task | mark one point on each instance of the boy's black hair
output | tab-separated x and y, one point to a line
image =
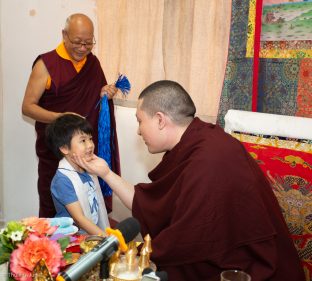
61	131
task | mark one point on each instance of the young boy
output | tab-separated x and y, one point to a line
75	192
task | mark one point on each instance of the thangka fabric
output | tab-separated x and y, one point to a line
287	163
283	67
237	85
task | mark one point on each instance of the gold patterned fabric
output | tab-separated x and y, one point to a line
287	164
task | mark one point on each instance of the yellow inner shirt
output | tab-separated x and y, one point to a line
61	51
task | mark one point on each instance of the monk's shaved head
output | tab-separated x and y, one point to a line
78	36
80	22
170	98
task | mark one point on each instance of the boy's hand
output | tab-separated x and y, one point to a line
96	165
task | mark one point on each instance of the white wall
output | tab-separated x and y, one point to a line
29	28
135	160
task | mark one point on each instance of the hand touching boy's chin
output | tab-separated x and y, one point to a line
88	156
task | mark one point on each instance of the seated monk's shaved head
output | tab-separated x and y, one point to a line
170	98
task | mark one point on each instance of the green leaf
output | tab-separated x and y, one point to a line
4	257
5	254
68	256
6	242
64	242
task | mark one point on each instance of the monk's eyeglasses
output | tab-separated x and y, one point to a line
80	44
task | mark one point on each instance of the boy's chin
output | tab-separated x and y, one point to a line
88	157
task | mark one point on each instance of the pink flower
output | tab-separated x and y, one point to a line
25	257
39	226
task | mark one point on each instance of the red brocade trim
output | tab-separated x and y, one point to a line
304	97
255	78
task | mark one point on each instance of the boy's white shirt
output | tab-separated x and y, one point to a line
66	168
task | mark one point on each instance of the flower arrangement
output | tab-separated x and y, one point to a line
24	243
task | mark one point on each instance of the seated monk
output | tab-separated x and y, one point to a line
208	206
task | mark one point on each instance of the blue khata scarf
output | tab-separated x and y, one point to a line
104	129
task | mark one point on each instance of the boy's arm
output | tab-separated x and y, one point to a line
82	221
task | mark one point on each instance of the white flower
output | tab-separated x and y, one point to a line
2	230
16	235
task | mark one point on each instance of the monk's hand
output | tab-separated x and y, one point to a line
109	90
95	165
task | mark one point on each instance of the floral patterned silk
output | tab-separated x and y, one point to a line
288	166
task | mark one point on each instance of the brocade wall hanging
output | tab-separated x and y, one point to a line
269	67
288	164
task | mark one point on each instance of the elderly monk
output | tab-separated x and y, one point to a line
208	207
68	79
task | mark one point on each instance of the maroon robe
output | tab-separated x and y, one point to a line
70	92
209	208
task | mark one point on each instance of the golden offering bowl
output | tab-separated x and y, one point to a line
122	267
89	243
121	271
86	246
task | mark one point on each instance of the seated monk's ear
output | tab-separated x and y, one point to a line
162	119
